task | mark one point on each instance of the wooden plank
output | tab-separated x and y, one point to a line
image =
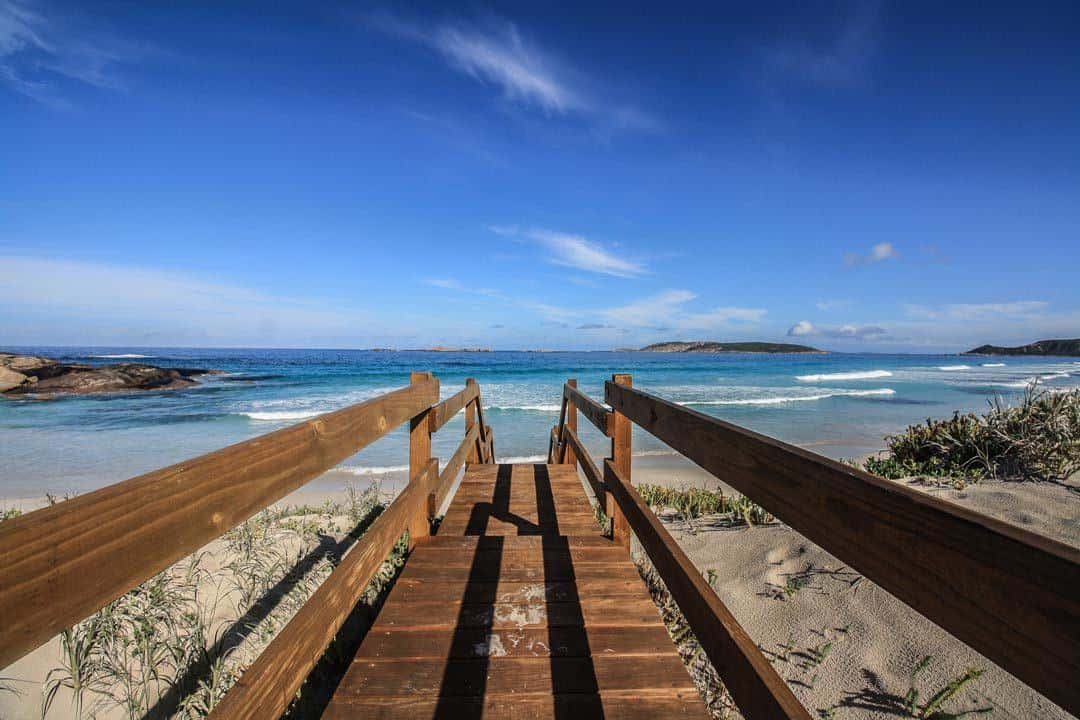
597	414
1007	592
447	409
526	642
592	473
537	613
61	563
631	705
490	567
472	543
569	454
470	423
413	590
520	676
538	555
757	689
268	686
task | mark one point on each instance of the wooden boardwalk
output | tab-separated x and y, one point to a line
519	608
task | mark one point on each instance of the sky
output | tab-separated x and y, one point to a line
857	176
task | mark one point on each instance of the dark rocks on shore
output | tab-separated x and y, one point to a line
23	374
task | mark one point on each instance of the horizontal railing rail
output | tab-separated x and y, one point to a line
756	687
60	564
1009	593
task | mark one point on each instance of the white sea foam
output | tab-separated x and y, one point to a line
121	356
858	375
372	469
993	364
1054	376
524	459
537	408
954	367
282	415
782	399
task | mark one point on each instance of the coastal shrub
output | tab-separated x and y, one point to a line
692	503
1037	438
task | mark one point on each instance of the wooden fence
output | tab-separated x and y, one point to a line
60	564
1010	594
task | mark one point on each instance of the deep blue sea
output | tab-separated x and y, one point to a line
840	405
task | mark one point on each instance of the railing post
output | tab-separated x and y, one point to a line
419	439
620	458
470	420
568	455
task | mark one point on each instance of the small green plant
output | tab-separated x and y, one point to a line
693	503
818	653
9	513
794	584
710	577
786	649
932	708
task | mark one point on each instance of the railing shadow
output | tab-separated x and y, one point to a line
240	629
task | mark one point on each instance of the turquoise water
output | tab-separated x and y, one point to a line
840	405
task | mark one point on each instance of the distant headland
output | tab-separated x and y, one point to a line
23	374
678	346
1070	348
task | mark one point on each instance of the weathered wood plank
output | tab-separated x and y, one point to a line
61	563
757	689
526	642
489	567
268	686
520	676
630	705
409	590
1007	592
454	465
597	414
537	612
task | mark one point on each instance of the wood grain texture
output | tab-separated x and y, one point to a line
621	456
759	692
454	465
551	624
447	409
1009	593
597	414
268	686
61	563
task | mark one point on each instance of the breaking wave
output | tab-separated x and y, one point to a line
858	375
955	367
782	399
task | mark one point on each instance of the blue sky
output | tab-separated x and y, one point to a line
853	175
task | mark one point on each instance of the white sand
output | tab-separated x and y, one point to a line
876	639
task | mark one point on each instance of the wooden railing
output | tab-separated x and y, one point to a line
1010	594
60	564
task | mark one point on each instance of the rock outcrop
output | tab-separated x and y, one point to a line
1063	348
22	374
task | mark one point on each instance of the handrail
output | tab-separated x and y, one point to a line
758	691
447	409
597	414
270	683
1009	593
61	563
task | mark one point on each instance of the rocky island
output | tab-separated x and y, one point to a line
32	374
677	346
1065	348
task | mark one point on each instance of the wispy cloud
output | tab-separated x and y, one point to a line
878	253
577	252
978	311
496	53
38	53
98	301
830	305
841	61
668	310
805	328
595	326
457	286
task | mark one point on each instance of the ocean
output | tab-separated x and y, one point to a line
839	405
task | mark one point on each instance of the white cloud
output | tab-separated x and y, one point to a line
828	305
577	252
977	311
667	309
496	53
36	52
878	253
75	299
805	328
